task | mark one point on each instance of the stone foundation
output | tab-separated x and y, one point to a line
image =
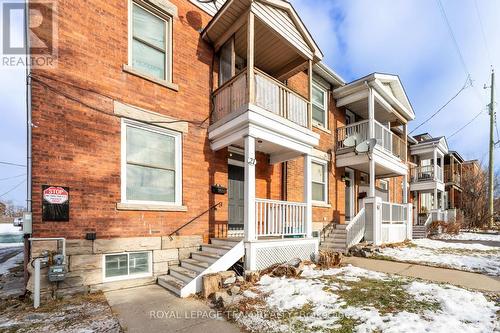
84	262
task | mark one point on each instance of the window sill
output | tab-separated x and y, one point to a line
321	204
167	84
151	207
321	128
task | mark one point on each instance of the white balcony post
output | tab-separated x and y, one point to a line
308	194
371	114
249	189
442	168
434	162
371	134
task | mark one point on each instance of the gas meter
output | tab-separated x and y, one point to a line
57	271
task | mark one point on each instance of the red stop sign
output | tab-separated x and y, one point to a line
55	195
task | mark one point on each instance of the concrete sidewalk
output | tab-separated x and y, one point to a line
153	309
435	274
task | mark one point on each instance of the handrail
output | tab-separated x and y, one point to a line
228	82
219	204
355	230
279	218
428	221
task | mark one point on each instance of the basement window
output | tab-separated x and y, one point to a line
151	165
129	265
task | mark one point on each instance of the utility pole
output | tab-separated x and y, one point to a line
491	173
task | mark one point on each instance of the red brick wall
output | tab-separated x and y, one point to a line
78	147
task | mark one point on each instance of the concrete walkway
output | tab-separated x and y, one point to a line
153	309
435	274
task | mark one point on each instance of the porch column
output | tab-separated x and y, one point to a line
250	57
371	134
442	167
405	188
435	203
249	189
443	205
434	163
308	193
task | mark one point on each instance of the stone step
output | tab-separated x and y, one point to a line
225	241
182	273
194	265
205	256
171	283
215	248
340	226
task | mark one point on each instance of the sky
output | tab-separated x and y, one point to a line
409	38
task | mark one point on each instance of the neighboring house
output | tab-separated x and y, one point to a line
145	123
453	180
427	177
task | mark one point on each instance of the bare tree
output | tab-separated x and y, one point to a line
475	197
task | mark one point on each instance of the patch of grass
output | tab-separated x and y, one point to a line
387	296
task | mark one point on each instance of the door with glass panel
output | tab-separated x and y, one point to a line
236	175
349	194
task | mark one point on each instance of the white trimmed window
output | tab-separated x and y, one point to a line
150	40
320	106
151	164
128	265
384	185
319	170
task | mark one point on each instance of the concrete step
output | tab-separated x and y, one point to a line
335	242
205	256
182	273
337	235
171	283
225	241
331	248
194	265
341	226
217	249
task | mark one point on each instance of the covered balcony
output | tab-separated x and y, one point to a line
376	108
264	78
262	103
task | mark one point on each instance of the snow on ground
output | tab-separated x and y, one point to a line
9	228
11	263
470	236
468	257
436	244
358	300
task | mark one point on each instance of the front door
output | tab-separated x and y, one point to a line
349	194
236	176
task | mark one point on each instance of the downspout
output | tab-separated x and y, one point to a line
27	245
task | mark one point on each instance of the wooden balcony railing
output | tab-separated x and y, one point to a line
270	94
452	177
386	139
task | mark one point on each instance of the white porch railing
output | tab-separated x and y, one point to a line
393	213
279	218
355	230
439	173
386	139
439	215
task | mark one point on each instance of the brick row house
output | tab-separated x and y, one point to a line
186	137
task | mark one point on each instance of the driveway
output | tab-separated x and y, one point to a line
153	309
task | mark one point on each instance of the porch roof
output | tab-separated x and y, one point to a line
276	15
389	90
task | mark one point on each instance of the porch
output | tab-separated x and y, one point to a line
262	104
